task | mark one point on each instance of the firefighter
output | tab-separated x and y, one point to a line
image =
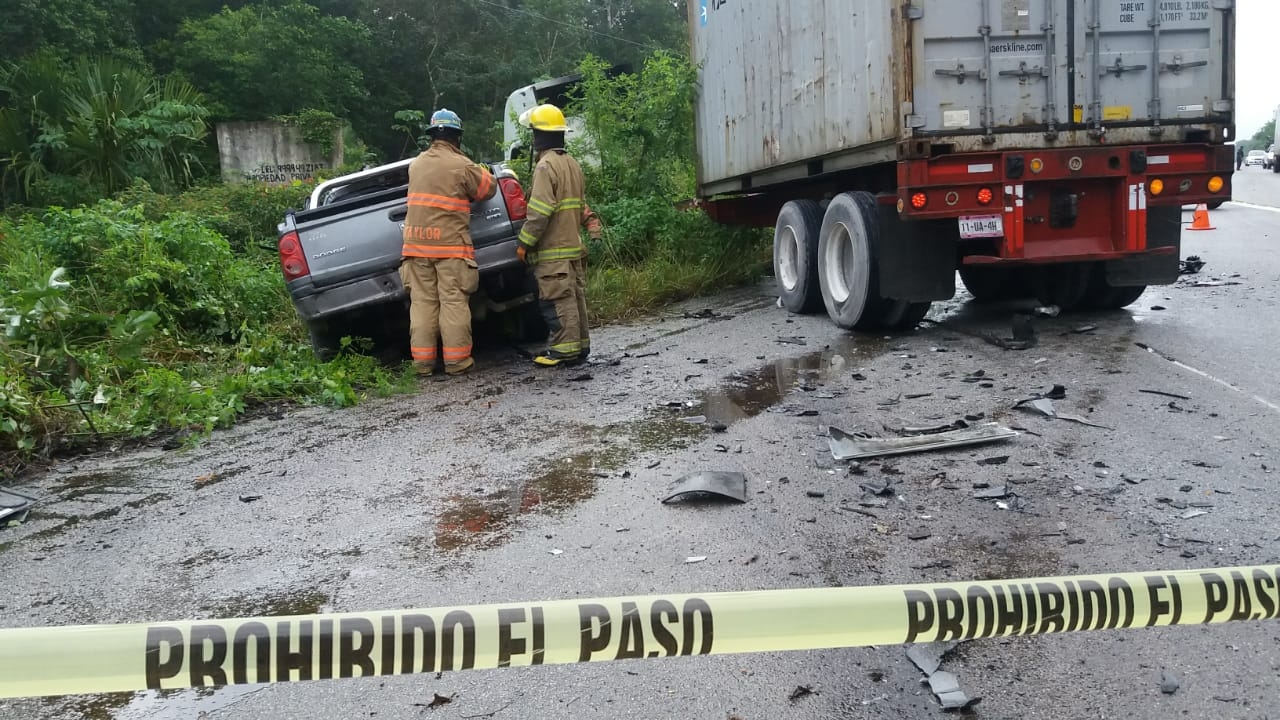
439	262
550	241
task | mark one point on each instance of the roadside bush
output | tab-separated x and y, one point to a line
246	214
118	326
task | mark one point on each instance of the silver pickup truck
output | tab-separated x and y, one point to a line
340	257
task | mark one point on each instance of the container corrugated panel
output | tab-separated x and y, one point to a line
786	82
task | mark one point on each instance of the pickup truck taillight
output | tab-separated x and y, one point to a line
514	197
292	261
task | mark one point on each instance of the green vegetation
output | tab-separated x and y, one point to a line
1262	139
140	295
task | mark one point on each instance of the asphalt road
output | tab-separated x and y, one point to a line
460	493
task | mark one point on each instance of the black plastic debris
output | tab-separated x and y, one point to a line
14	505
709	485
250	498
1192	265
1044	406
997	460
801	691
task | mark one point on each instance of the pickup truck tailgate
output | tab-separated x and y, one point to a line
361	237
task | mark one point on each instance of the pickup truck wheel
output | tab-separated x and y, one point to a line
847	274
1064	285
325	342
795	256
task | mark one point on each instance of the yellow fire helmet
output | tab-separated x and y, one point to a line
547	118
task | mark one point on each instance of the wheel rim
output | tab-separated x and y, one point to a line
788	258
839	262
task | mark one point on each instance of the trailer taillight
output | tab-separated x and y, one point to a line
292	260
919	200
1215	184
1156	186
985	196
517	209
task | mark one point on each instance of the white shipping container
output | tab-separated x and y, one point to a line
791	89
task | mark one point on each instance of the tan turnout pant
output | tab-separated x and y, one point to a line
439	307
562	293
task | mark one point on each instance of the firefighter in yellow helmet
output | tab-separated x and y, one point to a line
550	241
439	262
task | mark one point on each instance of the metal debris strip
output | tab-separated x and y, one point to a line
727	485
851	447
14	505
1044	406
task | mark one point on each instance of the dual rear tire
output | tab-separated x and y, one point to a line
828	259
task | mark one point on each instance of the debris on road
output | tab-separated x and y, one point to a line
700	485
1169	683
801	691
1166	394
1049	311
1082	329
792	341
1193	514
1044	406
997	460
851	447
1192	265
694	559
14	505
992	493
581	378
928	429
815	493
694	419
874	489
249	498
944	685
437	700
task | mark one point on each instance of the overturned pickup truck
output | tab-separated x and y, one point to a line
341	257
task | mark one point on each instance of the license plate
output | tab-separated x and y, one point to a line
981	226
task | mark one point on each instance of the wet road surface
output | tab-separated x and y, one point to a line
459	494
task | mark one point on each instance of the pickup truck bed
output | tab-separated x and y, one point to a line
349	242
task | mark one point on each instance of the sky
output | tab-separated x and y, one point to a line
1257	79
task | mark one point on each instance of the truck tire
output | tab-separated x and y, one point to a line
847	272
1065	286
795	256
325	340
988	284
1103	296
1215	204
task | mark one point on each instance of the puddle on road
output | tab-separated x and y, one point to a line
484	521
153	704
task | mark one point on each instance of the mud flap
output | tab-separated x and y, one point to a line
1164	229
917	260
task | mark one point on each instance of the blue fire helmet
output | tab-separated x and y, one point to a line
445	118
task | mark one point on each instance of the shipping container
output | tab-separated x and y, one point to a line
1044	132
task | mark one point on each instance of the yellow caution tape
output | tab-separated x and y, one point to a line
108	658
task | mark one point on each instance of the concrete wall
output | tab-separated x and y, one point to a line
270	151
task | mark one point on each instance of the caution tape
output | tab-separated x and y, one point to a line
109	658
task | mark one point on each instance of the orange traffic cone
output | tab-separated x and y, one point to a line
1200	221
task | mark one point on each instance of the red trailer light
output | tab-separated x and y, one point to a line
919	200
985	196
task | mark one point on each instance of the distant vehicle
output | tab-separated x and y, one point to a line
1255	157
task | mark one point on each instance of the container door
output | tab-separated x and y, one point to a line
990	65
1152	62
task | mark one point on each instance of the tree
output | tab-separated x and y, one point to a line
94	127
261	60
67	27
1265	136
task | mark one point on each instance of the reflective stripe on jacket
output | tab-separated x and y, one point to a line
555	209
442	185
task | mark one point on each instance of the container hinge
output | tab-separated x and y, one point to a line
1120	69
960	73
1224	4
915	121
913	12
1025	73
1178	66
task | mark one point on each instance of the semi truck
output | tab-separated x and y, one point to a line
1037	147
